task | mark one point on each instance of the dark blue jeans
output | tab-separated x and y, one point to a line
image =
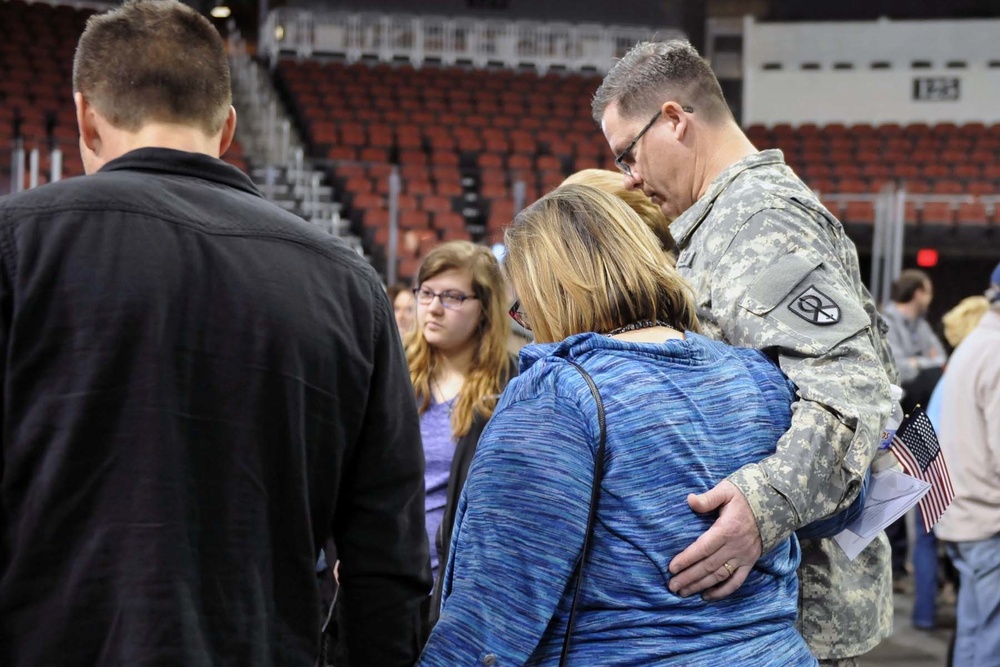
977	636
925	570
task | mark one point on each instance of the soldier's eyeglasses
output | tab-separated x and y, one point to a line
624	160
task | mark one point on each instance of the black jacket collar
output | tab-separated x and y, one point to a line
196	165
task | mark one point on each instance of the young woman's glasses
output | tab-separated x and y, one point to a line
519	315
450	299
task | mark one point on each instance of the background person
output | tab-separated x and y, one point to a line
918	352
199	388
958	323
920	358
773	270
404	307
970	441
459	365
963	318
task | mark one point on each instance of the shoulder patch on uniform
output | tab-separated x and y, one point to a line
815	307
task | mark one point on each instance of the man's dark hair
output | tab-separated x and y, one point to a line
154	61
906	285
656	72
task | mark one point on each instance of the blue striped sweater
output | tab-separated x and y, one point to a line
681	416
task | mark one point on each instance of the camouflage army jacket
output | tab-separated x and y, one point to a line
772	269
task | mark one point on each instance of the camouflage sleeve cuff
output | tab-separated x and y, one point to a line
775	516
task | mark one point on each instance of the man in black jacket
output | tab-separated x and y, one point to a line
198	389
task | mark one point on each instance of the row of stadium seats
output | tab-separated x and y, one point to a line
944	158
462	138
965	214
958	224
37	42
36	61
441	110
388	83
885	131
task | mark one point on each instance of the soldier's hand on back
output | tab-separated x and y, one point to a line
718	562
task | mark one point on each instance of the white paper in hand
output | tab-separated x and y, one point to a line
890	495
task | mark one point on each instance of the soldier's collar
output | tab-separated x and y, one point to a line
687	222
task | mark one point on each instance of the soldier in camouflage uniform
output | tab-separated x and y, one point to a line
771	269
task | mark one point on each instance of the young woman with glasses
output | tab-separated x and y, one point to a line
459	365
681	412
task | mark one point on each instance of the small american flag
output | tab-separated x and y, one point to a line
916	446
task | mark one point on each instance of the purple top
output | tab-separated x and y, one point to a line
439	449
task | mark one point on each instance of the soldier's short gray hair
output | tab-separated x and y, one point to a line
652	73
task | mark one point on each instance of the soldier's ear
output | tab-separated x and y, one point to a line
676	119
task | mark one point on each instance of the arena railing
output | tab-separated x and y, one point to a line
27	170
363	36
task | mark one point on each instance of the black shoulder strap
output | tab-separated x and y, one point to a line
594	495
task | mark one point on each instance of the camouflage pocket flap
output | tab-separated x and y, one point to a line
775	284
800	305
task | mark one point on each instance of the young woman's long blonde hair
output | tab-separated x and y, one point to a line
490	367
582	260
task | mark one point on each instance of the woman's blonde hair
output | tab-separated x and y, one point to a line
582	260
963	318
490	361
611	182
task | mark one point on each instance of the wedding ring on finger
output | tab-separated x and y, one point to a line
729	568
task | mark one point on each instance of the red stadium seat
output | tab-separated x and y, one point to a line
982	188
489	160
968	170
412	156
436	204
549	162
414	219
444	158
342	153
449	189
448	220
971	130
859	212
374	155
937	223
522	162
852	186
948	187
937	213
915	186
359	185
497	190
973	214
419	187
454	234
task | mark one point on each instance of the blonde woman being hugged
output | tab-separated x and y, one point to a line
459	364
680	412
